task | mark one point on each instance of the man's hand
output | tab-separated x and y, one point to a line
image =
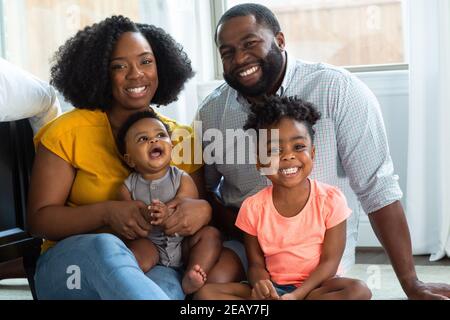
264	290
418	290
189	216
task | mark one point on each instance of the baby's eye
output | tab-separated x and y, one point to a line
143	139
161	135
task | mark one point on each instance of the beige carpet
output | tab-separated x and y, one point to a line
380	278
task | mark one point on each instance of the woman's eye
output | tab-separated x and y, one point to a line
147	61
117	67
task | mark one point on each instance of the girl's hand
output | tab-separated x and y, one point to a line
126	219
158	212
264	290
288	296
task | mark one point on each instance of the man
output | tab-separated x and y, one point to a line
352	149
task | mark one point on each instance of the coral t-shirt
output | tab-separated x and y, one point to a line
292	245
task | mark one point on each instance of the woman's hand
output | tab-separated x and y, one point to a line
189	216
264	290
126	219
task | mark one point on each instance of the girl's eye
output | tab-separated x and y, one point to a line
299	147
274	151
147	61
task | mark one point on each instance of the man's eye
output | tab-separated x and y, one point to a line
249	44
226	54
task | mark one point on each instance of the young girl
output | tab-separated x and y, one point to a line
145	144
295	230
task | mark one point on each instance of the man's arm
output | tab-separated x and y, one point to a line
391	229
364	152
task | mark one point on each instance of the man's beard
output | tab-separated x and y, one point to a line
270	66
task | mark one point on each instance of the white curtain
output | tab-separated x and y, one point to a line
428	180
189	22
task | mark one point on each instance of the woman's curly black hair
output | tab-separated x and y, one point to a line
131	120
272	109
81	66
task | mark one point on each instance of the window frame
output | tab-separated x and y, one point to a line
219	7
2	32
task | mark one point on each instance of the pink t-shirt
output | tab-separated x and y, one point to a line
292	246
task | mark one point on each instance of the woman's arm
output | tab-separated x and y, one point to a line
50	218
258	276
332	251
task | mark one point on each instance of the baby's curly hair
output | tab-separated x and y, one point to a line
81	66
131	120
273	108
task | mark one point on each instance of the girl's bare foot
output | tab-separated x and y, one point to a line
193	279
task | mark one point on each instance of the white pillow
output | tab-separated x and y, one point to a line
23	95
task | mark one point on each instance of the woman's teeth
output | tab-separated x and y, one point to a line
136	90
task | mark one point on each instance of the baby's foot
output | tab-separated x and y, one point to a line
193	279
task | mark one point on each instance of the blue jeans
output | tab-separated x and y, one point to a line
100	266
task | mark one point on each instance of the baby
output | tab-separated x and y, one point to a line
144	141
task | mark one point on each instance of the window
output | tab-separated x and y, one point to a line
34	29
341	32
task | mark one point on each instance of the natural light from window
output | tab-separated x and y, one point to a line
341	32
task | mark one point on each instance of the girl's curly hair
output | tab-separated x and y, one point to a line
81	66
272	109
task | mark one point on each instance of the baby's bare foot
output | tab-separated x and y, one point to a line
193	279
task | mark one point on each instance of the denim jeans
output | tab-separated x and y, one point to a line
100	266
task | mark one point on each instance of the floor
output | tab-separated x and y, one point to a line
372	266
378	256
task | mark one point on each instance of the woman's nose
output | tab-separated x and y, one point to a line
134	72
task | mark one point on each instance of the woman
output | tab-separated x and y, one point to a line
107	71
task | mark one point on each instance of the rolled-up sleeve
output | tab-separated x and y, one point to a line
363	147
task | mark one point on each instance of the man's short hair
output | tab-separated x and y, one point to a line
262	14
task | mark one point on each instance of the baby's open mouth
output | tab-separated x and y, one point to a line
156	152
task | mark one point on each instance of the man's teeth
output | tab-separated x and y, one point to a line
136	90
289	171
248	72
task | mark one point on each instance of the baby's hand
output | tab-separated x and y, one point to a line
159	212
